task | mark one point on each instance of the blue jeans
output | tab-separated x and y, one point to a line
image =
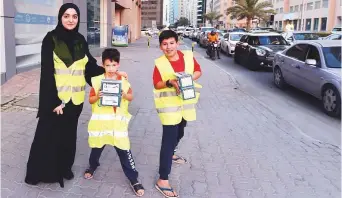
172	134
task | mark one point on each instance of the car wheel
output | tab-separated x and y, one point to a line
331	101
279	78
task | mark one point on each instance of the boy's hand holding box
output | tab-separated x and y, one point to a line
186	85
111	90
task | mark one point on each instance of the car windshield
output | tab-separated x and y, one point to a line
337	29
306	36
332	56
207	29
235	37
270	40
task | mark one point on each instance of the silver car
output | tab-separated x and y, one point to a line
313	67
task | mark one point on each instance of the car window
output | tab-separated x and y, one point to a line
253	40
235	37
313	53
226	36
243	38
306	36
335	37
332	56
298	52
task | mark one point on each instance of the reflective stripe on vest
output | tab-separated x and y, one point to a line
117	134
69	72
68	88
170	107
175	109
109	117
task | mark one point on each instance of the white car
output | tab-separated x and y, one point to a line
229	42
295	36
336	30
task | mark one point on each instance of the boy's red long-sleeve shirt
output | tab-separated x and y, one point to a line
178	66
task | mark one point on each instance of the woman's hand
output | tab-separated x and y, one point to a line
59	109
174	83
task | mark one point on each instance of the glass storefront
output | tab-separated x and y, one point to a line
93	23
33	19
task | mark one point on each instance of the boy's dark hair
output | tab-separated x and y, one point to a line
112	54
166	34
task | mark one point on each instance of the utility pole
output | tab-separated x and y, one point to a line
301	17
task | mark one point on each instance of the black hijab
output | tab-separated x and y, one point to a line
68	36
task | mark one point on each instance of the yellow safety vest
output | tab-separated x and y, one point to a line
106	126
170	107
70	81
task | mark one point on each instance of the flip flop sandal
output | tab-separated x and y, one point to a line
160	189
89	171
136	187
179	160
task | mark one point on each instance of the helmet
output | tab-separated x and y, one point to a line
213	32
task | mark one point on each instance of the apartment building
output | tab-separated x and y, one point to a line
220	7
151	13
201	10
307	15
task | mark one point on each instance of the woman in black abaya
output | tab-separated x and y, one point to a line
53	149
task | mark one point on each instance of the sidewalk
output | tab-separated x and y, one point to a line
237	147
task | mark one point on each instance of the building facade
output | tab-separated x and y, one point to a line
24	24
152	13
307	15
201	10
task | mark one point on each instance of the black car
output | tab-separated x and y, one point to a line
256	50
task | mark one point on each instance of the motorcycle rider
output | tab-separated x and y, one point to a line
212	38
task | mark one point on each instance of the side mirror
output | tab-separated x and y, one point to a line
245	44
312	62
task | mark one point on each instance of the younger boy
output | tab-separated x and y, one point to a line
109	125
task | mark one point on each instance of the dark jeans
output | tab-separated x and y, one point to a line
126	159
172	134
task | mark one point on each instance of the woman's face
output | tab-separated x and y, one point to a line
70	19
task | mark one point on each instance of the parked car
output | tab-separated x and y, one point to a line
293	37
313	67
336	30
187	32
203	40
229	42
332	37
237	30
257	50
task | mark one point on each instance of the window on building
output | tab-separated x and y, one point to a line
281	10
277	11
308	24
316	20
309	6
295	24
301	8
324	24
299	25
317	4
296	9
325	4
291	9
280	25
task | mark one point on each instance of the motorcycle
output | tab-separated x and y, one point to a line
212	50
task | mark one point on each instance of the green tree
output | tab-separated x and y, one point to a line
212	16
182	22
249	10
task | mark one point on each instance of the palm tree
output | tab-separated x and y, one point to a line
250	9
211	16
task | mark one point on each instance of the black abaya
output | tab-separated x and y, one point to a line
53	149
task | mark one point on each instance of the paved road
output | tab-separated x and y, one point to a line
238	147
300	109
